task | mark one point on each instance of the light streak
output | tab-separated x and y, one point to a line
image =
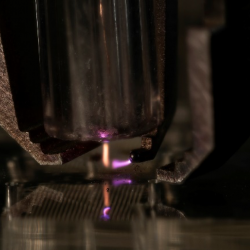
118	182
105	154
120	164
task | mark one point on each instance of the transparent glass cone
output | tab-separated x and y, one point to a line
103	67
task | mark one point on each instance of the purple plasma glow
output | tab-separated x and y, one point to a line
120	164
118	182
105	212
103	134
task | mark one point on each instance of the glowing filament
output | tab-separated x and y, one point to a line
105	154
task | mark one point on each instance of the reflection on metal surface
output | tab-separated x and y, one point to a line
118	182
105	214
78	202
85	216
159	234
41	235
106	199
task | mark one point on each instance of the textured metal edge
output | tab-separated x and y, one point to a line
8	119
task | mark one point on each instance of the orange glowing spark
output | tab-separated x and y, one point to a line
105	154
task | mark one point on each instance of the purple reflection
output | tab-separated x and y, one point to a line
120	164
105	212
118	182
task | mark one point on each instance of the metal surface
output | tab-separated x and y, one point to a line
64	211
143	216
8	119
50	151
195	235
201	106
77	202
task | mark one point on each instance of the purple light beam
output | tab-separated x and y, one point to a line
118	182
120	164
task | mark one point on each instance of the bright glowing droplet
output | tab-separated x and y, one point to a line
120	164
